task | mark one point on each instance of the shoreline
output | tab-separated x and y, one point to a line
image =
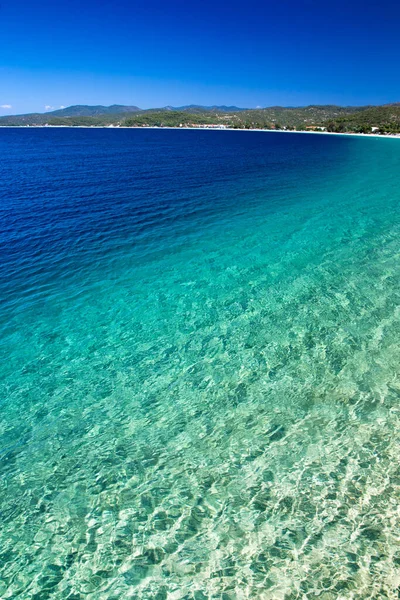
363	135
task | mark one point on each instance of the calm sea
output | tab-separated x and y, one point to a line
200	365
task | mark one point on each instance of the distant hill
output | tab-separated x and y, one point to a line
384	118
81	110
195	108
106	114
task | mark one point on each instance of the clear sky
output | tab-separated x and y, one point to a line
156	53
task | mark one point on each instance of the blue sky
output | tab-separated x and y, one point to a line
153	53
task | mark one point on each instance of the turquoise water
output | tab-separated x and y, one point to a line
200	365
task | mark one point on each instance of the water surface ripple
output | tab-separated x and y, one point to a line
199	375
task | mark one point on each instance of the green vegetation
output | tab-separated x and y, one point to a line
82	110
384	119
71	121
79	121
266	118
169	118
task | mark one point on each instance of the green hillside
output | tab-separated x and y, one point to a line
93	111
386	118
330	117
266	118
52	118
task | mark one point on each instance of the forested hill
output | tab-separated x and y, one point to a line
386	118
93	111
364	119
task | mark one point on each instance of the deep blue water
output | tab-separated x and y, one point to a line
199	337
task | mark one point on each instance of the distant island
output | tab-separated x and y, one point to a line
382	120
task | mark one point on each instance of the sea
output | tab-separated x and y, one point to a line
199	365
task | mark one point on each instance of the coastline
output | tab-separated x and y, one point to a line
363	135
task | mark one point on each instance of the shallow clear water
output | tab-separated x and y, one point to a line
200	350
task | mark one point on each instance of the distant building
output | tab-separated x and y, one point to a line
209	125
315	128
